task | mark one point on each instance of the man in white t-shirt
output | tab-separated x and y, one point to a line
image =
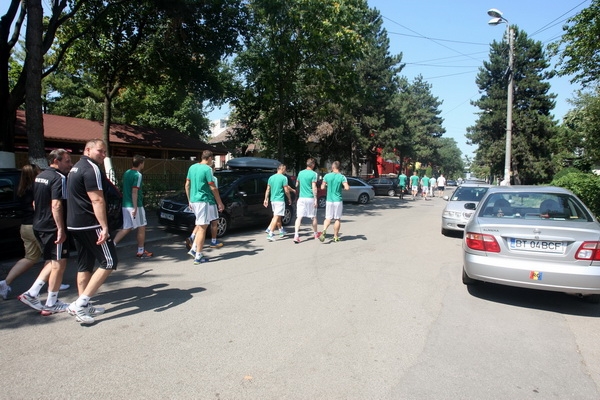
441	185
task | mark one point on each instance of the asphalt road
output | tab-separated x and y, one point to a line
382	314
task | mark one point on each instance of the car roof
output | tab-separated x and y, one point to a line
255	163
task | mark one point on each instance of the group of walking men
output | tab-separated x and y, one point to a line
428	185
71	199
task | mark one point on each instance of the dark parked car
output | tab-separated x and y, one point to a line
11	210
242	192
385	186
451	182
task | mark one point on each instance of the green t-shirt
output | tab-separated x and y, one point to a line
132	179
425	181
335	182
402	180
277	183
305	180
199	176
414	180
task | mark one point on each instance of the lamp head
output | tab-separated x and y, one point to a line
495	21
494	12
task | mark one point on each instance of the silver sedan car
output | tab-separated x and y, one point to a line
538	237
455	216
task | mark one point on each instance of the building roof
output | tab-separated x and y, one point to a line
77	130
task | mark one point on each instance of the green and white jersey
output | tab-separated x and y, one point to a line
200	175
305	180
132	179
277	183
335	182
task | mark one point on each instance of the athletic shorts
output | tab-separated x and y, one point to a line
415	189
33	250
132	223
333	209
51	250
278	208
205	213
88	252
441	188
305	208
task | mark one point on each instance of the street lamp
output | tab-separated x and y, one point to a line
497	19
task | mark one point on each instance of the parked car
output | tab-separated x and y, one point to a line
359	192
242	191
11	210
385	186
534	237
451	182
455	216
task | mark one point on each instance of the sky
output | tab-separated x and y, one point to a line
447	41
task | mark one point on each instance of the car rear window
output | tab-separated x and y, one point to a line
474	194
535	205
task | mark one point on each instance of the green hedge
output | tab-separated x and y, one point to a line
585	185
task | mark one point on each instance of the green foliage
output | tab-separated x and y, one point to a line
578	46
533	126
585	185
566	171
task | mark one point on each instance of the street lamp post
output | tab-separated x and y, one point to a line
497	18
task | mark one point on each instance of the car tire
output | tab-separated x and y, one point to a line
287	216
222	226
322	202
391	193
363	198
467	280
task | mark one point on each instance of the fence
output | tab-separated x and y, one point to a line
161	177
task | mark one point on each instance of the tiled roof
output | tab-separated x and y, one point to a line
68	129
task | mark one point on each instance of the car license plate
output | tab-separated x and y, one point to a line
170	217
539	246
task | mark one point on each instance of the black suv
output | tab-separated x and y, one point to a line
11	210
242	192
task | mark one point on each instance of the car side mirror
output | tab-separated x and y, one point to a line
470	206
446	198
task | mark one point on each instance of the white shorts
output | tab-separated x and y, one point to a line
333	209
204	212
132	223
278	208
305	208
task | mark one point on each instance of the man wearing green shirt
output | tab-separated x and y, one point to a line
414	184
204	199
277	190
306	206
402	179
134	215
424	186
334	182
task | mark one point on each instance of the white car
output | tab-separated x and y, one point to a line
455	216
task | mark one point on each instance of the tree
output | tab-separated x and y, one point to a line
533	126
578	47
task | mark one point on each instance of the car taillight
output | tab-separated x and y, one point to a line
477	241
588	251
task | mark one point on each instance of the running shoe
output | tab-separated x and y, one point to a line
336	239
192	253
317	235
64	286
4	291
81	314
200	260
58	307
216	244
270	238
322	236
95	311
282	233
189	242
268	231
145	254
296	239
33	302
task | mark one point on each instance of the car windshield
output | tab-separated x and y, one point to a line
535	205
465	193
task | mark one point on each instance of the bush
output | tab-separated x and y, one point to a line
565	171
586	186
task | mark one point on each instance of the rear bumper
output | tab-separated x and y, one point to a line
542	275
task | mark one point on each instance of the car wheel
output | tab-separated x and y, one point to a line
222	226
391	193
467	280
287	216
322	202
592	298
363	198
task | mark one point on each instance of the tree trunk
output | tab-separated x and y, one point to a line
33	91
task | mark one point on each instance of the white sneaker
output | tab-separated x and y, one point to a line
4	290
64	286
81	314
58	307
